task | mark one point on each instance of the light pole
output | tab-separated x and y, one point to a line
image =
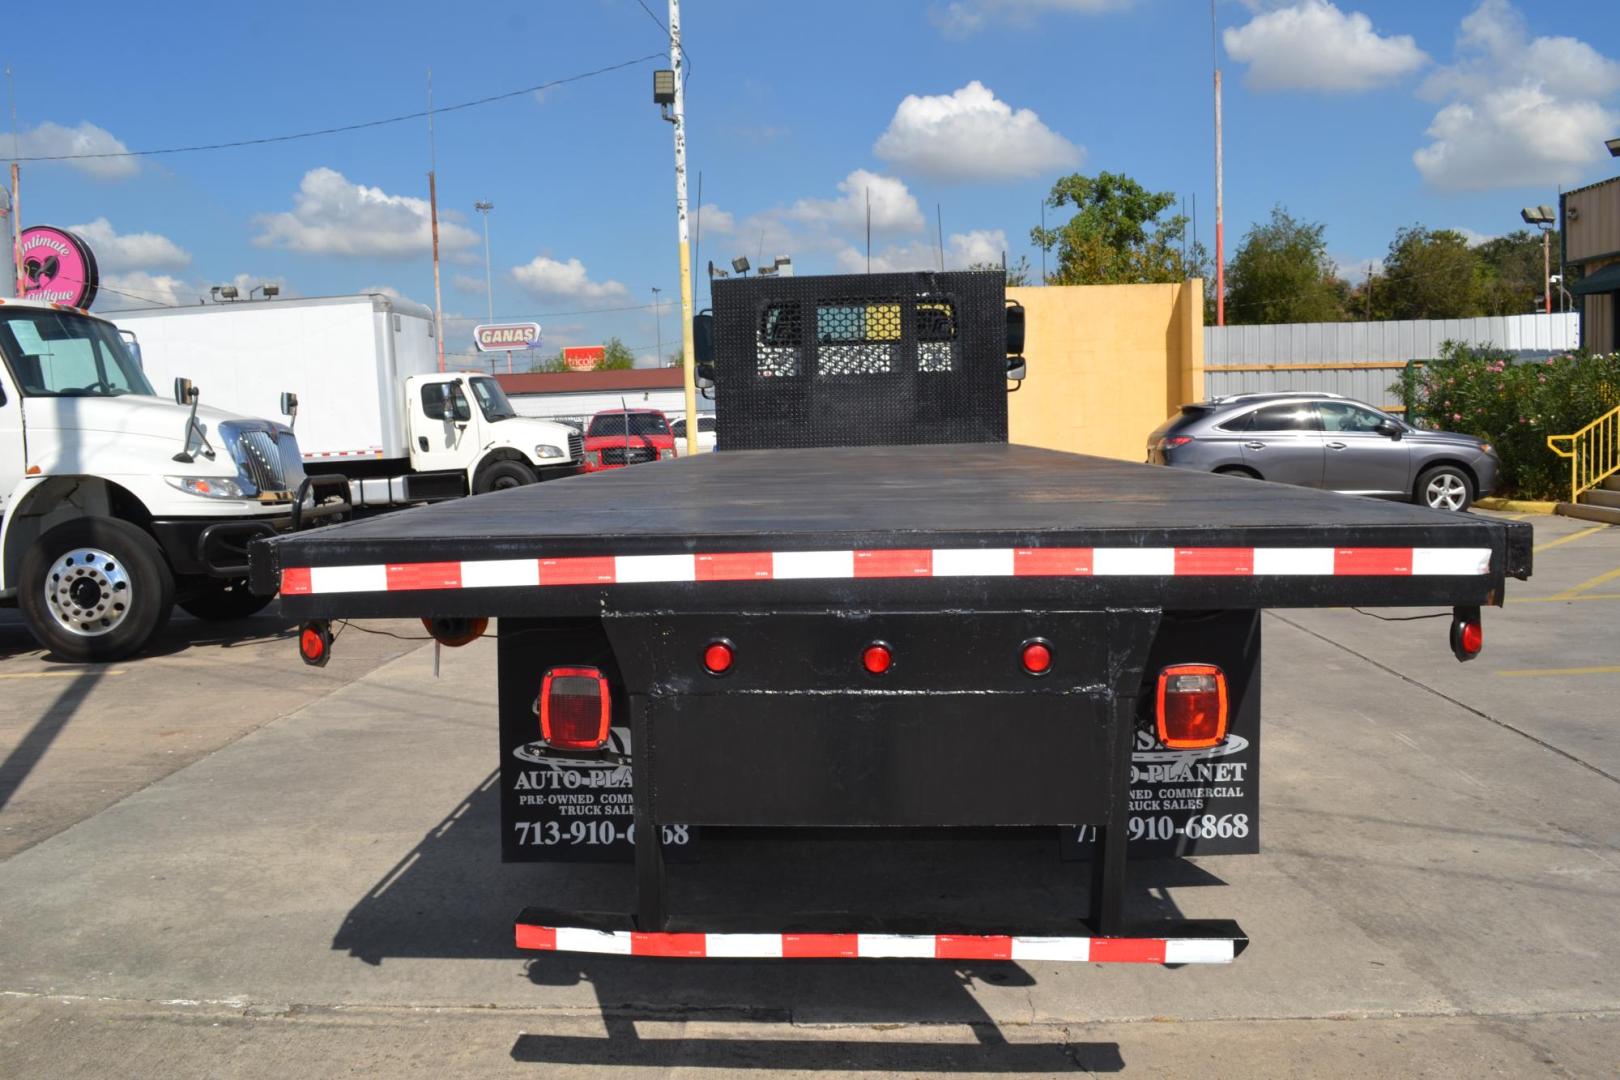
483	206
658	314
1543	217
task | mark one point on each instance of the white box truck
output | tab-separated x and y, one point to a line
117	504
372	405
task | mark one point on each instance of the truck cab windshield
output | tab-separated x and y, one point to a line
492	400
58	354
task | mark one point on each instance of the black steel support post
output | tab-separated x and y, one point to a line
651	912
1108	858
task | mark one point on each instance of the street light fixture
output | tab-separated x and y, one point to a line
1614	147
1543	217
224	292
740	264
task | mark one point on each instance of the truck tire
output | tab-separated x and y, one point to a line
501	475
221	599
95	589
1444	487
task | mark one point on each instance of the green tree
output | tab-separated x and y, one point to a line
549	365
616	356
1118	234
1512	273
1429	274
1281	273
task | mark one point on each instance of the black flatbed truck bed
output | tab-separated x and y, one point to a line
952	554
1158	536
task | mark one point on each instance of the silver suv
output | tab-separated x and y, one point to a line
1326	441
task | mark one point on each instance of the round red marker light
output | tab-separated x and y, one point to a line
877	658
718	657
1473	638
311	645
1037	657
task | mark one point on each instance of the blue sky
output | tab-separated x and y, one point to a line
1362	115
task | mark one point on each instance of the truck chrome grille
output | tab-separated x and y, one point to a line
628	455
576	447
260	459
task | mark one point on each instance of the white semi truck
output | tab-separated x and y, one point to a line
372	405
117	504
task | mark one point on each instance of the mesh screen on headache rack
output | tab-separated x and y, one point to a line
860	360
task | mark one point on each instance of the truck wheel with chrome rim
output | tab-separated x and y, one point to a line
95	589
1445	487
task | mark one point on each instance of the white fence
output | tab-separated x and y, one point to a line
1362	359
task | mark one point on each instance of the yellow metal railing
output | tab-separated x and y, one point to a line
1593	452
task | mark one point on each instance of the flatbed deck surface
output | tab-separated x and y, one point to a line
980	496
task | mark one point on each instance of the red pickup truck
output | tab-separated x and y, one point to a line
621	437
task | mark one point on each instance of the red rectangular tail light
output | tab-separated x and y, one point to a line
575	710
1192	706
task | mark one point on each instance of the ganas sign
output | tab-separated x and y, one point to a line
502	337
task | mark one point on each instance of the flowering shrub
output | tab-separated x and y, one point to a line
1515	405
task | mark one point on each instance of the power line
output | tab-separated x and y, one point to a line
350	127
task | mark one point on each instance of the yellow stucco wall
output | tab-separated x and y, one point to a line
1107	364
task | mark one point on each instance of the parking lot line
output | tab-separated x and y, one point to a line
1588	585
1539	548
54	674
1610	669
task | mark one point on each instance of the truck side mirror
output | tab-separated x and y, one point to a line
460	406
1015	329
703	349
184	391
134	347
289	406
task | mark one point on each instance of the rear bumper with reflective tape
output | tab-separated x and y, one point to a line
883	946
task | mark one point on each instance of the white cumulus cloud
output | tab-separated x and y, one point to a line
962	250
715	219
332	215
1313	45
894	207
117	251
139	289
1517	110
548	278
960	18
50	140
972	135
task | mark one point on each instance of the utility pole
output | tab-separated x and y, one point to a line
689	361
1220	196
433	214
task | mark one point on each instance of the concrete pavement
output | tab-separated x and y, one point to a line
314	885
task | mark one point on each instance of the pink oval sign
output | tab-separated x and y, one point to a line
57	266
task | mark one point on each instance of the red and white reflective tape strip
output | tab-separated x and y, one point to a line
880	946
375	451
890	563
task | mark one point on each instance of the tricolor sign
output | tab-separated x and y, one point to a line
502	337
583	357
